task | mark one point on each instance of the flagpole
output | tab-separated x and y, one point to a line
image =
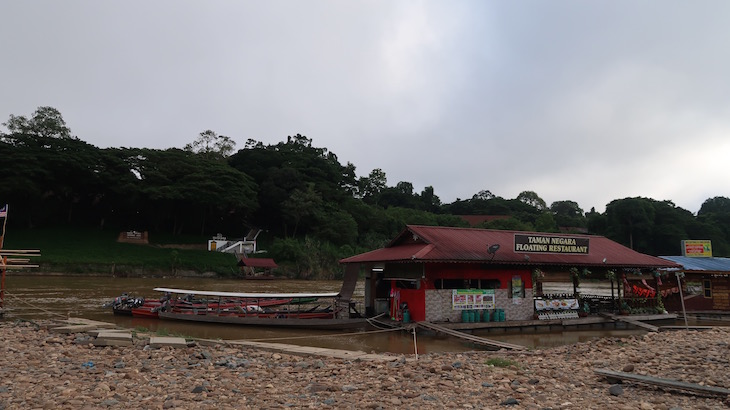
5	221
4	262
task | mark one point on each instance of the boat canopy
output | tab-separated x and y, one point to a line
247	295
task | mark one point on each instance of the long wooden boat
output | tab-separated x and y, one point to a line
313	315
127	305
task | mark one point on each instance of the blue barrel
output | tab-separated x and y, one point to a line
465	316
501	315
406	316
485	316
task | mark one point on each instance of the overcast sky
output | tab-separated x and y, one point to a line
588	101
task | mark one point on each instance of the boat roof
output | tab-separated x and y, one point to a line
248	295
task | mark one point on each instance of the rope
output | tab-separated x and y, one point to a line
35	306
374	324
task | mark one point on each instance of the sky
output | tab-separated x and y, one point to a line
587	101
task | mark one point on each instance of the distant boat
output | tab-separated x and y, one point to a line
304	310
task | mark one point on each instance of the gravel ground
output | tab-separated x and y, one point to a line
44	370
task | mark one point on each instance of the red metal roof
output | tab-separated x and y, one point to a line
446	244
258	263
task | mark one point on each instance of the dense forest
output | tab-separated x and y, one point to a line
314	210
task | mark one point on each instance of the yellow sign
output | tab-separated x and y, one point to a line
697	248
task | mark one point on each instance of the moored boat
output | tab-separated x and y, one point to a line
305	310
127	305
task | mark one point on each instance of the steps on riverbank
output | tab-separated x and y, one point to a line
105	334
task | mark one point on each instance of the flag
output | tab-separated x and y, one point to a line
4	211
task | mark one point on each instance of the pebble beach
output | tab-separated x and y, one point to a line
40	369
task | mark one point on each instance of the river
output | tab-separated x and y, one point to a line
47	297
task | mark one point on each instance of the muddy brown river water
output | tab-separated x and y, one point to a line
46	297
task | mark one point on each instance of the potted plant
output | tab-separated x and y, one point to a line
660	305
585	309
624	308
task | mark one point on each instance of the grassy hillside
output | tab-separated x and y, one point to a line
94	251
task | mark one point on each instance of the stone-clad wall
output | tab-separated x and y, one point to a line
438	306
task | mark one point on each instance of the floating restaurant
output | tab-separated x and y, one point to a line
446	274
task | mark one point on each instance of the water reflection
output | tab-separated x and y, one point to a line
46	297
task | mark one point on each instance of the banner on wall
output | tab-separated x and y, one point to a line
472	299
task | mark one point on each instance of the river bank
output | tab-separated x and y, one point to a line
40	369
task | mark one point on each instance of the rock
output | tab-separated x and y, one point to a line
628	368
50	375
317	387
616	390
199	389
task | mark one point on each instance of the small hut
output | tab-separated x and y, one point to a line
257	268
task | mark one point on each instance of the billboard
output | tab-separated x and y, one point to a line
697	248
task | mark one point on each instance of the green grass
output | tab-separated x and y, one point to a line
93	250
499	362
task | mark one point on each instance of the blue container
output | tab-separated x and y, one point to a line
501	315
406	316
465	316
485	316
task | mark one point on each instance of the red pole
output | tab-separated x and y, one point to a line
2	282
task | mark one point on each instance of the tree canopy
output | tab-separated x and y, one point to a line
297	192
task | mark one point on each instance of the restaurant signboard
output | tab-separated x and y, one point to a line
551	244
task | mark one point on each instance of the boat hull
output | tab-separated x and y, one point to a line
308	323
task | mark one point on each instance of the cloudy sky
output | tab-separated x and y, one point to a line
588	101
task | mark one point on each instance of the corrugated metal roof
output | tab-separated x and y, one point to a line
712	264
446	244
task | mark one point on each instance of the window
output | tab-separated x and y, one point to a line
467	284
707	285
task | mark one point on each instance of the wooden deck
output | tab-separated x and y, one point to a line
471	338
664	383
